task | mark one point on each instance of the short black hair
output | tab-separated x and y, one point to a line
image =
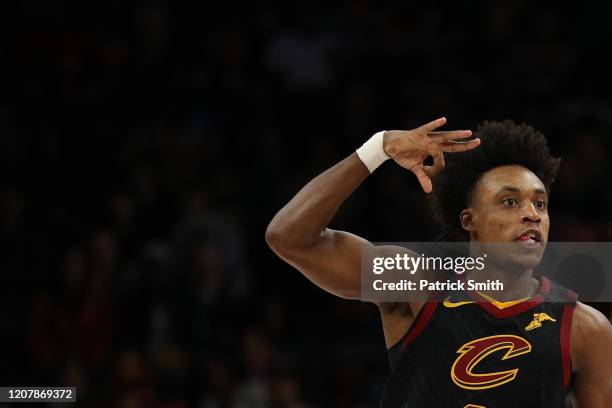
502	143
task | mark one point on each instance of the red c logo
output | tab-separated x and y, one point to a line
470	354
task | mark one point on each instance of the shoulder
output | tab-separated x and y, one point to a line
392	250
398	313
591	338
588	320
395	308
591	333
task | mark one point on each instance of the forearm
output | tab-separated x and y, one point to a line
305	217
332	259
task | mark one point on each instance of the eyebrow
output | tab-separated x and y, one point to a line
517	190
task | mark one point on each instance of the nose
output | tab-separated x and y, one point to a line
530	214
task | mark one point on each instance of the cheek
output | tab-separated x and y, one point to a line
493	225
496	224
545	224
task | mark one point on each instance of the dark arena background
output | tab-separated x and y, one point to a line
145	147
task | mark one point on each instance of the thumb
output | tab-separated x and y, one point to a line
438	165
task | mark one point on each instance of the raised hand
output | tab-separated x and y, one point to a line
410	148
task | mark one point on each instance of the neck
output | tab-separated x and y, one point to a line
517	284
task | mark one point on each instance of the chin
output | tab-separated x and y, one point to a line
512	255
524	261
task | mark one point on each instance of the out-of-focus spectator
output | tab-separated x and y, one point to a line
145	147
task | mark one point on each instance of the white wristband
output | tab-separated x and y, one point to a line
372	153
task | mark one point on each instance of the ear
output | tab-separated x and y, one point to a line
467	219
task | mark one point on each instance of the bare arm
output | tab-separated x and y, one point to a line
591	339
299	234
329	258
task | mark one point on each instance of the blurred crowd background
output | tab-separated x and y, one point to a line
146	145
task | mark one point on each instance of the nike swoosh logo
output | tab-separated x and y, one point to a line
449	304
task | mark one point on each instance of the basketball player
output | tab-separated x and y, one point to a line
535	347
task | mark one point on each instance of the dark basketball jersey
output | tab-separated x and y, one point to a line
465	352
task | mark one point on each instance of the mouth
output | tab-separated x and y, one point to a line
530	239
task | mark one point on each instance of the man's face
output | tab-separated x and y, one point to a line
510	207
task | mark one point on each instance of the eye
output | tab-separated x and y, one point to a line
509	202
540	204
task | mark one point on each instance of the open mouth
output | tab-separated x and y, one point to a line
530	239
